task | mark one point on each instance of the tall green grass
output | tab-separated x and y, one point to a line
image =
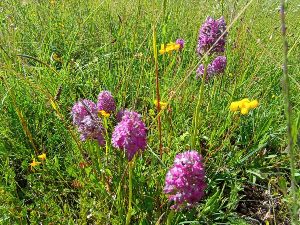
108	45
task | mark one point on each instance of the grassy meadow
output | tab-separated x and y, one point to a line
54	53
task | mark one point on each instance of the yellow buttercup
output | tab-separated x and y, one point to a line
244	106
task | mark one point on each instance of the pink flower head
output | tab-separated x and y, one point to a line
88	123
130	134
106	102
181	43
217	66
121	113
210	36
82	109
92	128
185	181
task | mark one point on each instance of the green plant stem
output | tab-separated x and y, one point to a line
170	217
157	92
128	216
106	137
197	114
288	112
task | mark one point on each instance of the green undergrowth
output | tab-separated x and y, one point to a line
56	52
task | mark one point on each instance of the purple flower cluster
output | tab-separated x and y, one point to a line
89	125
91	128
120	114
181	43
210	36
82	109
130	134
211	41
217	66
106	102
185	181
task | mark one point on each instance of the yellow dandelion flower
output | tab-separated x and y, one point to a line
34	164
104	114
42	156
162	105
254	104
240	103
244	111
162	49
169	48
176	47
234	106
172	47
245	105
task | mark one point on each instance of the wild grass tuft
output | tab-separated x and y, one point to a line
53	53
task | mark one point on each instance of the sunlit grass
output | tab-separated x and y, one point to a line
54	53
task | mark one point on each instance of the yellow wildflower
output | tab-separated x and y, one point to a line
176	47
254	104
42	156
103	113
162	49
246	105
169	48
162	105
244	111
234	106
243	106
34	164
172	47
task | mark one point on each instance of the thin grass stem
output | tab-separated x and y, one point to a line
157	92
288	113
197	114
128	216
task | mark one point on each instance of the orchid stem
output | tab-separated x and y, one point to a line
197	115
128	216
